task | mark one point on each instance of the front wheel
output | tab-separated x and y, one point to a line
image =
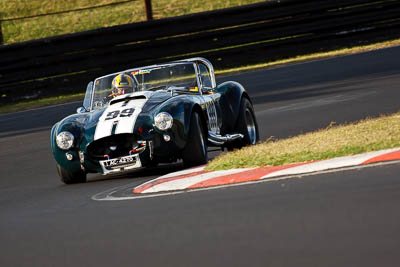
195	151
69	177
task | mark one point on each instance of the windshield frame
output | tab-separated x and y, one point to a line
183	62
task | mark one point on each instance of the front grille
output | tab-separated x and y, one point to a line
113	146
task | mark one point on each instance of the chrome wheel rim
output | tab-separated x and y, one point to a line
251	126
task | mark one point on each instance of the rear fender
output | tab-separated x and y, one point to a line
231	97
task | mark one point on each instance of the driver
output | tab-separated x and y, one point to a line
122	84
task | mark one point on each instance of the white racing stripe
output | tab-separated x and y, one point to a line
125	125
103	129
118	114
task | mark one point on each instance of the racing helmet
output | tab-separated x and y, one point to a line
123	84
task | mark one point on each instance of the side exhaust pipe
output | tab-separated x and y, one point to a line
220	140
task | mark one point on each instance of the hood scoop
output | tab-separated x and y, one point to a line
127	99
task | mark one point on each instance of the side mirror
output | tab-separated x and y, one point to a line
81	110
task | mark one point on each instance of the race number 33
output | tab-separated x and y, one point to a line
122	114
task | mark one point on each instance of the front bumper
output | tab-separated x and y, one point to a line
109	156
128	162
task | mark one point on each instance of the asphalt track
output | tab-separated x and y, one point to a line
346	218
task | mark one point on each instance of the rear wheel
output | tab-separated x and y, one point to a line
195	151
246	125
69	177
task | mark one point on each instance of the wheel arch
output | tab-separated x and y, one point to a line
181	109
231	98
75	125
196	108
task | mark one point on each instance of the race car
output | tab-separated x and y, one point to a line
144	116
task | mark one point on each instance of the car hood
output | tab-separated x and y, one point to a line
120	115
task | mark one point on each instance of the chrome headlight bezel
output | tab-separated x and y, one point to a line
163	121
65	140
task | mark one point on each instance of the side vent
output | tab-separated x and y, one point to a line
212	119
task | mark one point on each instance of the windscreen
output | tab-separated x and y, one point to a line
180	76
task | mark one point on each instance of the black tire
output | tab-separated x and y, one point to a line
69	177
195	152
246	125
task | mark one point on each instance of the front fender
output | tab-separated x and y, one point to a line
181	108
74	124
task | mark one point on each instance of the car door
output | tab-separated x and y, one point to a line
211	99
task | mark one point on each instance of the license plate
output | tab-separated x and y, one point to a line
120	164
119	161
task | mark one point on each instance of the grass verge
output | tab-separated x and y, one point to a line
26	105
334	141
129	12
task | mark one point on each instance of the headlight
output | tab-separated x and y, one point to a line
65	140
163	121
